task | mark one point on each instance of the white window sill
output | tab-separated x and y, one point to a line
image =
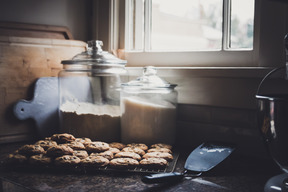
249	72
232	87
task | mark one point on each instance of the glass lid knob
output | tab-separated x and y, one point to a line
95	45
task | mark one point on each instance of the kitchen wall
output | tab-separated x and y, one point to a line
214	104
23	60
74	14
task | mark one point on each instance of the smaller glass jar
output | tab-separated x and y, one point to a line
89	94
148	109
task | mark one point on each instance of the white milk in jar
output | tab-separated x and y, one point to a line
148	110
146	122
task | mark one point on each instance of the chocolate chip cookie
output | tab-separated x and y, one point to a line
67	160
29	150
161	145
153	163
139	145
82	154
40	160
83	140
94	161
162	150
123	163
62	138
47	138
107	154
134	149
166	156
46	143
117	145
59	150
97	146
114	150
131	155
16	159
75	145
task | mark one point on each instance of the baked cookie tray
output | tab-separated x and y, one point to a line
25	167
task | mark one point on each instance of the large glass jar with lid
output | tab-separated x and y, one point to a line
89	95
148	109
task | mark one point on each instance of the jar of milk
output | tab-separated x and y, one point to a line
148	109
89	94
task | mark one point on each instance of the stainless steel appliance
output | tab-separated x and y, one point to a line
272	113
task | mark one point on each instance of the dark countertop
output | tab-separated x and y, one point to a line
237	173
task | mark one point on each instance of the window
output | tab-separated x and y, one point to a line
241	25
190	25
185	25
231	38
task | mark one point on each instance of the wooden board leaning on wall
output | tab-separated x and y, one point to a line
22	61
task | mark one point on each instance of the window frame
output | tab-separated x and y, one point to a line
222	58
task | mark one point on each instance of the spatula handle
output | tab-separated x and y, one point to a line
163	178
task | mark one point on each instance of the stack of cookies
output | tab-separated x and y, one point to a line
64	150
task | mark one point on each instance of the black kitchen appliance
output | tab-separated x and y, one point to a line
272	116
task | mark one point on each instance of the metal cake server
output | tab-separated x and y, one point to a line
202	159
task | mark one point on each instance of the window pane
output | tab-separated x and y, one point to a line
186	25
242	22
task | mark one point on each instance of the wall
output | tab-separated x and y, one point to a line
34	60
74	14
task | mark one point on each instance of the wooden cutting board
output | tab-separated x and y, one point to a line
23	60
16	29
43	108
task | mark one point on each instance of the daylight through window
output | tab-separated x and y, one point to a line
190	25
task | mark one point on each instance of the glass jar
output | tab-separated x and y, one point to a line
148	109
89	94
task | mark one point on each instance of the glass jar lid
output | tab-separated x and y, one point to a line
149	80
95	56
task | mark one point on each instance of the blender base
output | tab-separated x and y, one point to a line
277	183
